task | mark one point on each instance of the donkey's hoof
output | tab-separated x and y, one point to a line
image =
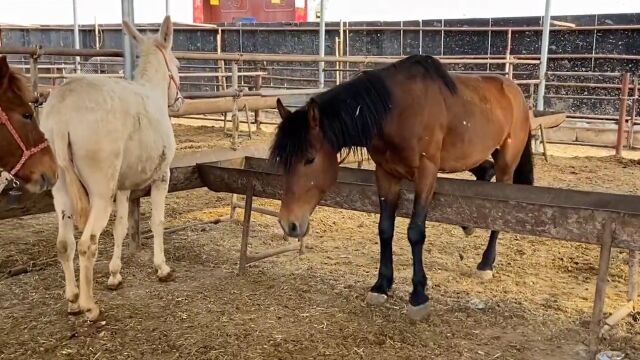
114	283
169	276
73	308
376	298
92	313
468	230
418	313
484	275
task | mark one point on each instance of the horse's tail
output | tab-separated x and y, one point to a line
524	170
75	189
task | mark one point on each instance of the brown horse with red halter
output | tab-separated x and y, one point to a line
25	156
415	120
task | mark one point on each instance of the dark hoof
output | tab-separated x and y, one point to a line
171	276
468	230
114	286
74	309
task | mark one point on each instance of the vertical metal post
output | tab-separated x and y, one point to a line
76	35
168	7
321	47
544	54
129	50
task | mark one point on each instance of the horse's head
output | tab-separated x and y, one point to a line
24	151
309	162
158	48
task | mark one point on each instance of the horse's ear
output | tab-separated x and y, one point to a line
282	110
166	32
131	31
314	114
4	68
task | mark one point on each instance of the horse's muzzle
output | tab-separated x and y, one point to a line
295	229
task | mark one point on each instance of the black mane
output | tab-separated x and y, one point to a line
351	114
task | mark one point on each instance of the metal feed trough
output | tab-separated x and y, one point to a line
604	219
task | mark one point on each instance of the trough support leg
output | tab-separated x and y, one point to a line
134	224
246	113
257	86
301	250
601	289
246	224
234	200
632	294
544	144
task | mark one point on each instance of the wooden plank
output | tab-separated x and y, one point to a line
184	176
548	119
537	211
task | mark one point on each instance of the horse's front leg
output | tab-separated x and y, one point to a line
425	181
388	191
159	190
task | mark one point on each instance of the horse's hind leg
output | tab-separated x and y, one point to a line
483	172
66	244
506	160
159	190
119	233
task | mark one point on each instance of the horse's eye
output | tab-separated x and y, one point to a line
309	161
27	116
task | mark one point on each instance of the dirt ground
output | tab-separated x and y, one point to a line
537	306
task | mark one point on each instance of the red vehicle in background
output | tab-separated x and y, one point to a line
218	11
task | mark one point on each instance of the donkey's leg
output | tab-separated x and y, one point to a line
425	184
66	243
88	250
483	172
159	191
388	191
119	233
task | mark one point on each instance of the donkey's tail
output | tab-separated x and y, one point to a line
77	191
524	170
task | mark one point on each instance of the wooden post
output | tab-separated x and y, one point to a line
257	85
601	288
33	72
544	144
134	224
246	224
634	105
622	113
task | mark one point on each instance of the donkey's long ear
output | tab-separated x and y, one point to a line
166	32
4	68
131	31
282	110
314	114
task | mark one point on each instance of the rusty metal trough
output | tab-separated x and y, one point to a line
604	219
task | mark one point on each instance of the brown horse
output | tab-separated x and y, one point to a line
25	155
415	120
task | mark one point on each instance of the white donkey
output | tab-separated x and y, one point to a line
111	136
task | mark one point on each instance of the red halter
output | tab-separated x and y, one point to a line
26	153
172	79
